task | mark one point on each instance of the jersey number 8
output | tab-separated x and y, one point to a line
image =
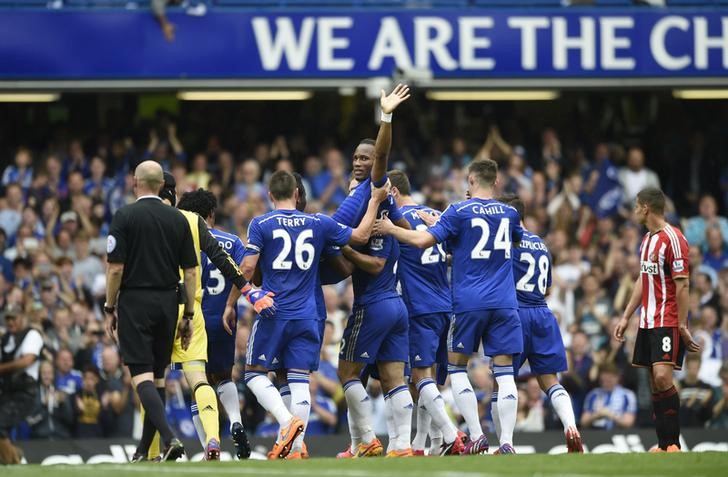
303	251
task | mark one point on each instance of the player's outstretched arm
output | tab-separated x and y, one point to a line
361	234
371	265
219	257
634	302
417	238
388	103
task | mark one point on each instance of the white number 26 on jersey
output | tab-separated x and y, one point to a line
303	251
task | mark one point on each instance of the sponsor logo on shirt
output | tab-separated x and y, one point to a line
649	267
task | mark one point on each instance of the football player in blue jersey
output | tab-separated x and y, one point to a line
426	293
377	330
215	290
288	245
480	232
542	343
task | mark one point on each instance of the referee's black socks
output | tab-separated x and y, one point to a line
154	410
148	428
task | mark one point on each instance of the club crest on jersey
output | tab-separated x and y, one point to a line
653	257
376	244
649	267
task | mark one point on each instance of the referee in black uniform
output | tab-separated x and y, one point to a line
148	243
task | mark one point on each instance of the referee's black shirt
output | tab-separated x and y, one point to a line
153	241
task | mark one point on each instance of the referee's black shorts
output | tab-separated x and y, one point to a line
147	327
658	345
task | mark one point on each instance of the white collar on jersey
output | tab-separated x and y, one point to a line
149	196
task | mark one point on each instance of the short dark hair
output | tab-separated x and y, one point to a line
653	198
514	201
368	142
302	198
485	171
281	185
400	180
609	367
200	201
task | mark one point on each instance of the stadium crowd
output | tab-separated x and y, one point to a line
57	203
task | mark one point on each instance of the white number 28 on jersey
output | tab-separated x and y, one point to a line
303	251
524	284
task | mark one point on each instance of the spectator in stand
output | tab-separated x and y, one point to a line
716	255
165	151
719	418
88	406
323	417
116	394
98	186
576	380
248	182
709	335
610	405
696	396
199	177
57	184
76	160
531	409
593	311
459	157
706	288
55	417
695	227
86	266
21	172
11	210
225	174
636	176
68	380
602	191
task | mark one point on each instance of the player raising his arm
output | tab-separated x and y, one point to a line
215	290
542	343
426	293
480	232
662	291
288	245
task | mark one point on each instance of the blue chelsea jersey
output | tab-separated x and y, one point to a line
373	288
480	233
215	289
290	244
531	271
423	273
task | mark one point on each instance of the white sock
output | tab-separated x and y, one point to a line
227	393
285	393
391	427
494	414
430	397
507	404
360	412
300	401
400	401
198	425
423	426
561	402
268	397
465	399
435	440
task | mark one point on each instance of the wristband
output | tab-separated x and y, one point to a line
381	182
109	308
188	315
386	117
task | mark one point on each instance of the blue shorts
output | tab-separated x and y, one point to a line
428	339
498	329
288	344
220	346
542	343
322	328
377	332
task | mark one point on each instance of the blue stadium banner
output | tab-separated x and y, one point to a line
291	44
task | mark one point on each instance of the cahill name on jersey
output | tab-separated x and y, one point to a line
480	233
531	271
423	273
290	245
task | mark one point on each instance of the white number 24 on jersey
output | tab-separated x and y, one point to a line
502	240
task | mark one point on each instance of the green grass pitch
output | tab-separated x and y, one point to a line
704	464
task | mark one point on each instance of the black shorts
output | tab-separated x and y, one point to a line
17	407
147	327
658	345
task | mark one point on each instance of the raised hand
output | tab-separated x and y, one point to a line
389	102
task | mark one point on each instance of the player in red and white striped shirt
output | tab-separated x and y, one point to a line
662	290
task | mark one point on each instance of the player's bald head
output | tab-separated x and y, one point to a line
149	177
